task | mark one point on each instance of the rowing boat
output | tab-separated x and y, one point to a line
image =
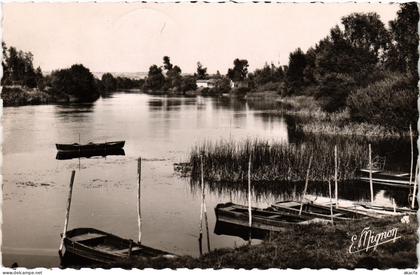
312	210
385	177
96	246
261	218
91	146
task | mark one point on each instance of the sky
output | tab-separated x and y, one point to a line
123	37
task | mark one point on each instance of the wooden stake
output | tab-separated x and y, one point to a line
331	208
207	227
412	155
249	199
370	174
306	185
336	175
66	221
416	178
139	197
202	205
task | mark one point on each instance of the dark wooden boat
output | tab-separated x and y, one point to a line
384	209
316	211
261	218
384	177
100	247
91	146
243	232
63	155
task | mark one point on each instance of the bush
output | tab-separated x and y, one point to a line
333	91
389	102
76	81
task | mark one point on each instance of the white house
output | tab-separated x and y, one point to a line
206	83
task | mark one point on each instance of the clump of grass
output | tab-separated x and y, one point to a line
227	161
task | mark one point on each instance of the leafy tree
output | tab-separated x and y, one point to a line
366	32
109	83
155	79
76	81
167	63
404	32
239	70
173	78
188	84
201	71
294	76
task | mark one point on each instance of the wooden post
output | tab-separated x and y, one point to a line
202	205
306	185
336	175
139	197
207	226
370	173
412	155
331	208
130	248
66	221
416	179
249	199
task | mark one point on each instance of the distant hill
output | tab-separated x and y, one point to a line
132	75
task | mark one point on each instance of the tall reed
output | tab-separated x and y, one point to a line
227	161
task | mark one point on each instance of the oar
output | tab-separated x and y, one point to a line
139	197
66	221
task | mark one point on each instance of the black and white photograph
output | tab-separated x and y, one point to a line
209	135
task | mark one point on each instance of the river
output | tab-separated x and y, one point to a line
160	130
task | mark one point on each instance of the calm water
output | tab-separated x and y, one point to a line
162	131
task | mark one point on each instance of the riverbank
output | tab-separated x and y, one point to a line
20	96
311	246
311	119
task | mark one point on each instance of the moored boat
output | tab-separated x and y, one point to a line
100	247
261	218
313	210
384	177
91	146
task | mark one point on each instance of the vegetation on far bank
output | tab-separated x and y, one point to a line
362	76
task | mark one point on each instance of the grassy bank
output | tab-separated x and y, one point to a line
311	246
227	161
16	96
311	119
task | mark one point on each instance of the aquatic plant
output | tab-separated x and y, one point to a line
227	161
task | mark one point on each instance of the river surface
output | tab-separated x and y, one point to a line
160	130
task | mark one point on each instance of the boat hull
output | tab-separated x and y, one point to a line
99	247
312	210
261	219
91	146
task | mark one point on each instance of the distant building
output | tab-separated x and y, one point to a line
239	84
206	83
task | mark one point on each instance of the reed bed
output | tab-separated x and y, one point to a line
227	161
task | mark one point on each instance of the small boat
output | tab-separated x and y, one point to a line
386	209
100	247
384	177
228	229
261	218
313	210
91	146
63	155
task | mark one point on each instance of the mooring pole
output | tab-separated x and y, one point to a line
139	197
66	221
201	205
306	185
416	178
249	199
370	174
336	175
412	155
331	208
